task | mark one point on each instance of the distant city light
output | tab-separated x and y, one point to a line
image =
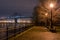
6	21
24	21
20	19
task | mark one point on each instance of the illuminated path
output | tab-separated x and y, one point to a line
37	33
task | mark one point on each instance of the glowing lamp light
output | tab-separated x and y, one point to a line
46	14
51	5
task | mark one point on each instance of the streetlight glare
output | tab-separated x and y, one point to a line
51	5
46	14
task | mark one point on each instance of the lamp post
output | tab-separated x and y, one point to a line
51	6
46	14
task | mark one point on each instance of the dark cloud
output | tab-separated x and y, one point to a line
24	7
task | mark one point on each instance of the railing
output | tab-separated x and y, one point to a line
8	30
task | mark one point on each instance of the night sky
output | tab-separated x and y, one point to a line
23	7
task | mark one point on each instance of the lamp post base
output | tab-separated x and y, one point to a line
53	30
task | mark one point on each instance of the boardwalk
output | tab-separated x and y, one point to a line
37	33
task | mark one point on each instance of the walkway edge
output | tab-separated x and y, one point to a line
21	33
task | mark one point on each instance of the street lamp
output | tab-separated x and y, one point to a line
46	15
51	6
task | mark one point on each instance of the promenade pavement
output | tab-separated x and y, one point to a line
37	33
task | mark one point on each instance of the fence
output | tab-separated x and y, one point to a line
8	30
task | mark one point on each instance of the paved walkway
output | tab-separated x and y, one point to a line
37	33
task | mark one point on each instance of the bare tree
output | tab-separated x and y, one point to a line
42	8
